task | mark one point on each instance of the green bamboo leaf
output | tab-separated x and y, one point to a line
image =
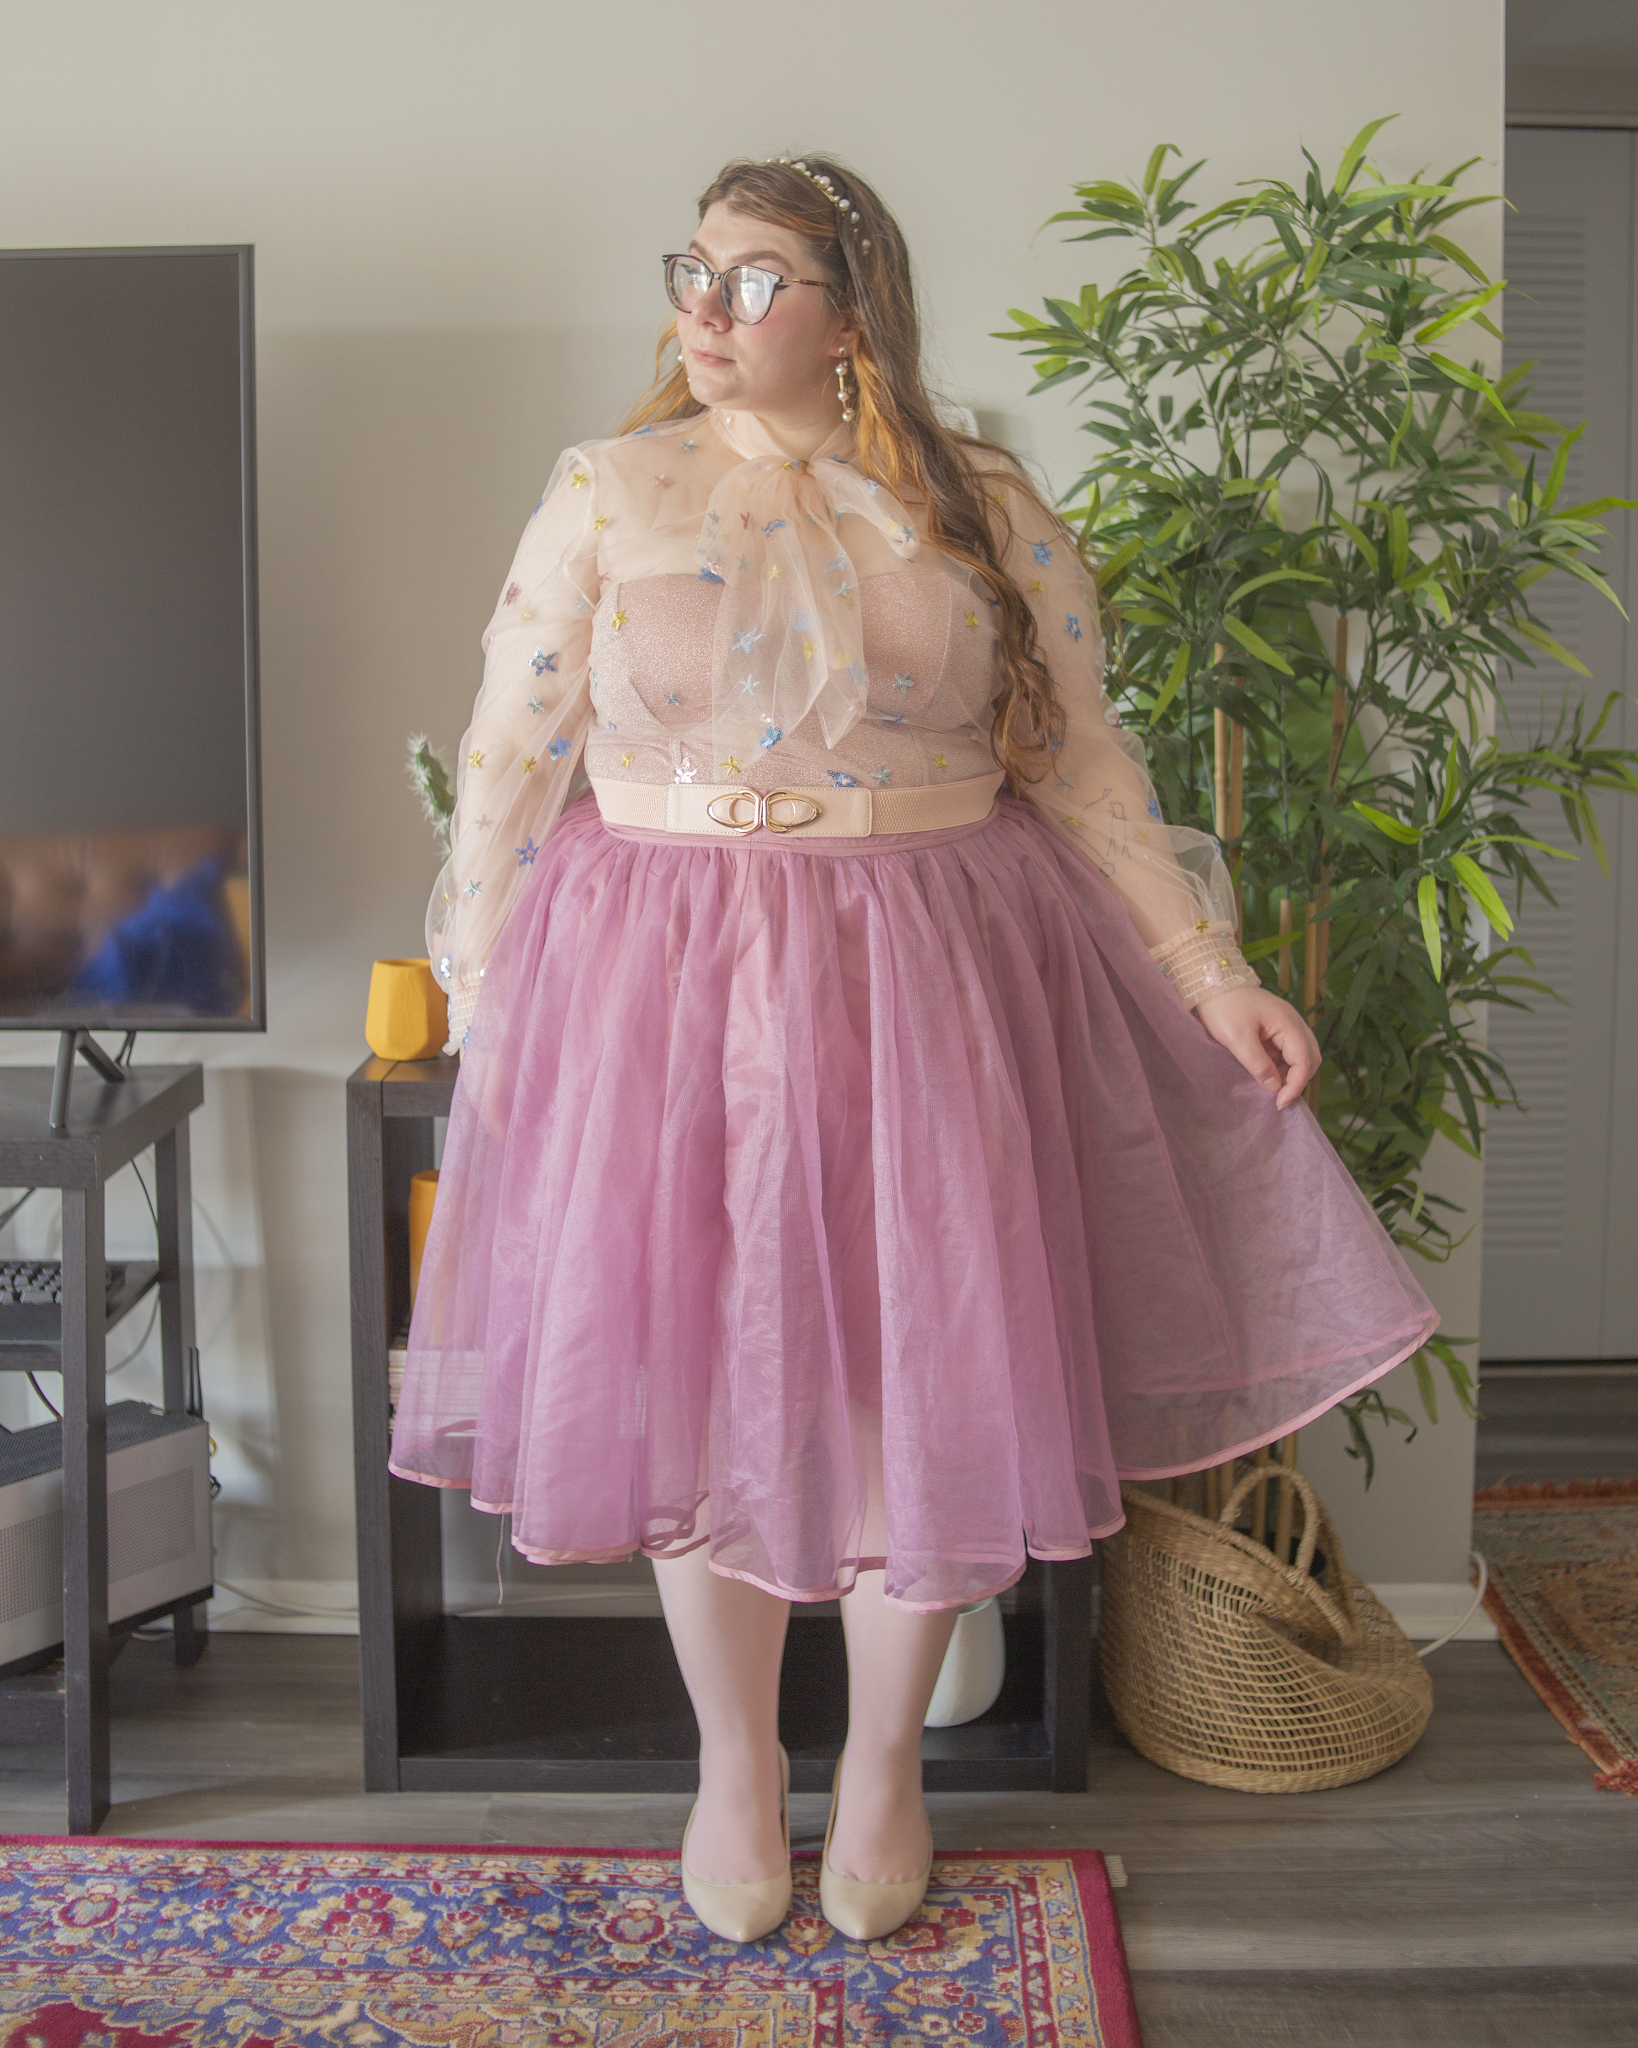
1361	540
1398	541
1151	176
1458	255
1394	828
1595	508
1458	314
1121	560
1427	904
1442	1120
1471	380
1254	643
1519	839
1479	886
1272	576
1460	1378
1403	428
1354	155
1424	1385
1561	461
1174	680
1453	762
1549	645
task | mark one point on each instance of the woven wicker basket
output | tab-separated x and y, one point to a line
1225	1665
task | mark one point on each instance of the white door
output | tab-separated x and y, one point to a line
1561	1180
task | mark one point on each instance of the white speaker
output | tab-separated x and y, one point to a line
159	1543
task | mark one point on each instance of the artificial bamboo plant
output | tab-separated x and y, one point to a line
1317	530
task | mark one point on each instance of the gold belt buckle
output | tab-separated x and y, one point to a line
787	796
727	810
729	816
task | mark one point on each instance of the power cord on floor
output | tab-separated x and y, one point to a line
278	1607
1473	1607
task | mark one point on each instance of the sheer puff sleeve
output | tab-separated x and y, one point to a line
1098	789
528	729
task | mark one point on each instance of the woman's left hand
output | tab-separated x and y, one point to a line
1266	1035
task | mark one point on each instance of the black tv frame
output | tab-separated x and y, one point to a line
72	1031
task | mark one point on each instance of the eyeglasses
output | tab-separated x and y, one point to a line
747	292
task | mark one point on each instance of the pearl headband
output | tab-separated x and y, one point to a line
843	205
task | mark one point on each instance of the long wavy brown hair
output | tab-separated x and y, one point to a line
861	252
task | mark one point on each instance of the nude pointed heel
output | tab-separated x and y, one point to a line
853	1906
744	1912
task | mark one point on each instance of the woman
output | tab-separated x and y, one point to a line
854	1170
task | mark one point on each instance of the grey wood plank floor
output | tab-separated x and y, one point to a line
1480	1893
1557	1422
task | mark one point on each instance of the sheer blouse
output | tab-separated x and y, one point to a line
689	604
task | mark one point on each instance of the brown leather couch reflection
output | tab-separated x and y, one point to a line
62	893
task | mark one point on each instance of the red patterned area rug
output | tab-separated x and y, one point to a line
135	1944
1564	1596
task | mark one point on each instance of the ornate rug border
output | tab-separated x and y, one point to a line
1115	2015
1557	1493
1616	1769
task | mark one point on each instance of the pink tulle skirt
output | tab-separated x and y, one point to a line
850	1208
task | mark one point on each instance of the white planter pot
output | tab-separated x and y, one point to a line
974	1666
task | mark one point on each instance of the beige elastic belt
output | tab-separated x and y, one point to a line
728	811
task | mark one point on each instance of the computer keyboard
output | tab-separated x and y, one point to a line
31	1296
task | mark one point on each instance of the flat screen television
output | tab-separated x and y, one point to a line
130	814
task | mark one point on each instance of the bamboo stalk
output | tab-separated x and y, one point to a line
1259	1497
1310	962
1237	778
1285	951
1285	1513
1339	703
1312	991
1236	804
1229	781
1318	955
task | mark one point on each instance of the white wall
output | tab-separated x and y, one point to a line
457	213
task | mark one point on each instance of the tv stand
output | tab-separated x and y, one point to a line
76	1038
108	1128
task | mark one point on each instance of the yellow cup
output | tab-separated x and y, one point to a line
408	1015
423	1187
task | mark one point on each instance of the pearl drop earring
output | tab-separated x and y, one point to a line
841	388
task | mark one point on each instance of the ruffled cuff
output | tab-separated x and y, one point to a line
463	1000
1201	962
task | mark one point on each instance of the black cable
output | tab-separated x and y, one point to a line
35	1384
152	1211
12	1211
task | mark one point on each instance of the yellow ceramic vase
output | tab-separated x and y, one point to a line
408	1016
423	1190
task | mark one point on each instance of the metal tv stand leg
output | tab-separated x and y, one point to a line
71	1040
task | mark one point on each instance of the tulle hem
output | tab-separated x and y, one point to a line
1253	1445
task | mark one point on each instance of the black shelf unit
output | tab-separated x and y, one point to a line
108	1125
591	1703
